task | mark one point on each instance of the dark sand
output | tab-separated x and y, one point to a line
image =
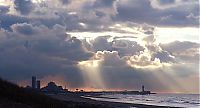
102	104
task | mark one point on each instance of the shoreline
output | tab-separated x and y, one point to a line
77	99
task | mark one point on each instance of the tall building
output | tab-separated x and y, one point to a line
38	84
33	82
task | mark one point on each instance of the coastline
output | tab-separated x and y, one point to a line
77	99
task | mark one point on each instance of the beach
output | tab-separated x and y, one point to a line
77	99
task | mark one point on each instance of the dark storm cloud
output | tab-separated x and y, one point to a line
144	11
53	43
101	44
21	66
24	28
123	46
135	12
24	6
104	3
97	14
65	1
99	4
186	51
4	9
126	47
100	14
164	2
61	18
6	20
163	56
47	22
40	54
178	46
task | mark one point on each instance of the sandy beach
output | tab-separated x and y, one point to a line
101	104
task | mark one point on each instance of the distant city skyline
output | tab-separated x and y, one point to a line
102	44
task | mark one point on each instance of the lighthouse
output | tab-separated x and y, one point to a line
142	88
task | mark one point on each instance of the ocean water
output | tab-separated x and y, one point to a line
174	100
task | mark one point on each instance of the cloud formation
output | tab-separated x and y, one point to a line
152	12
100	14
35	40
156	66
186	51
24	7
25	53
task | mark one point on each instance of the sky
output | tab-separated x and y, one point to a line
102	44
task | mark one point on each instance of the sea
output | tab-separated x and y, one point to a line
173	100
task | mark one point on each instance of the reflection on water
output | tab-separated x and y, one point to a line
176	100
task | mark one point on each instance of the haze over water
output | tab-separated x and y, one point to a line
173	100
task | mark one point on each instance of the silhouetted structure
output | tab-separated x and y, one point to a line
38	84
143	92
142	88
13	96
33	82
53	88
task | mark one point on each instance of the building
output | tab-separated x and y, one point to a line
34	82
38	84
53	88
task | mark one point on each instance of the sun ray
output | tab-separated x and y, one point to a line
91	72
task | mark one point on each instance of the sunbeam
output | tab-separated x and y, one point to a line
91	73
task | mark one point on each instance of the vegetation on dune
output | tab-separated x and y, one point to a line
13	96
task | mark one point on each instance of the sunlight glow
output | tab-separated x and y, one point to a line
91	73
5	2
165	35
82	35
38	1
113	35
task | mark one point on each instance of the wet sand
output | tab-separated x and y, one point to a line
102	104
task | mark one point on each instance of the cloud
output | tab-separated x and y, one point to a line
57	54
24	6
123	46
127	48
104	3
186	51
99	15
6	20
163	56
154	66
162	4
4	9
24	28
110	58
178	46
101	44
65	1
115	72
24	54
123	54
166	1
143	11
